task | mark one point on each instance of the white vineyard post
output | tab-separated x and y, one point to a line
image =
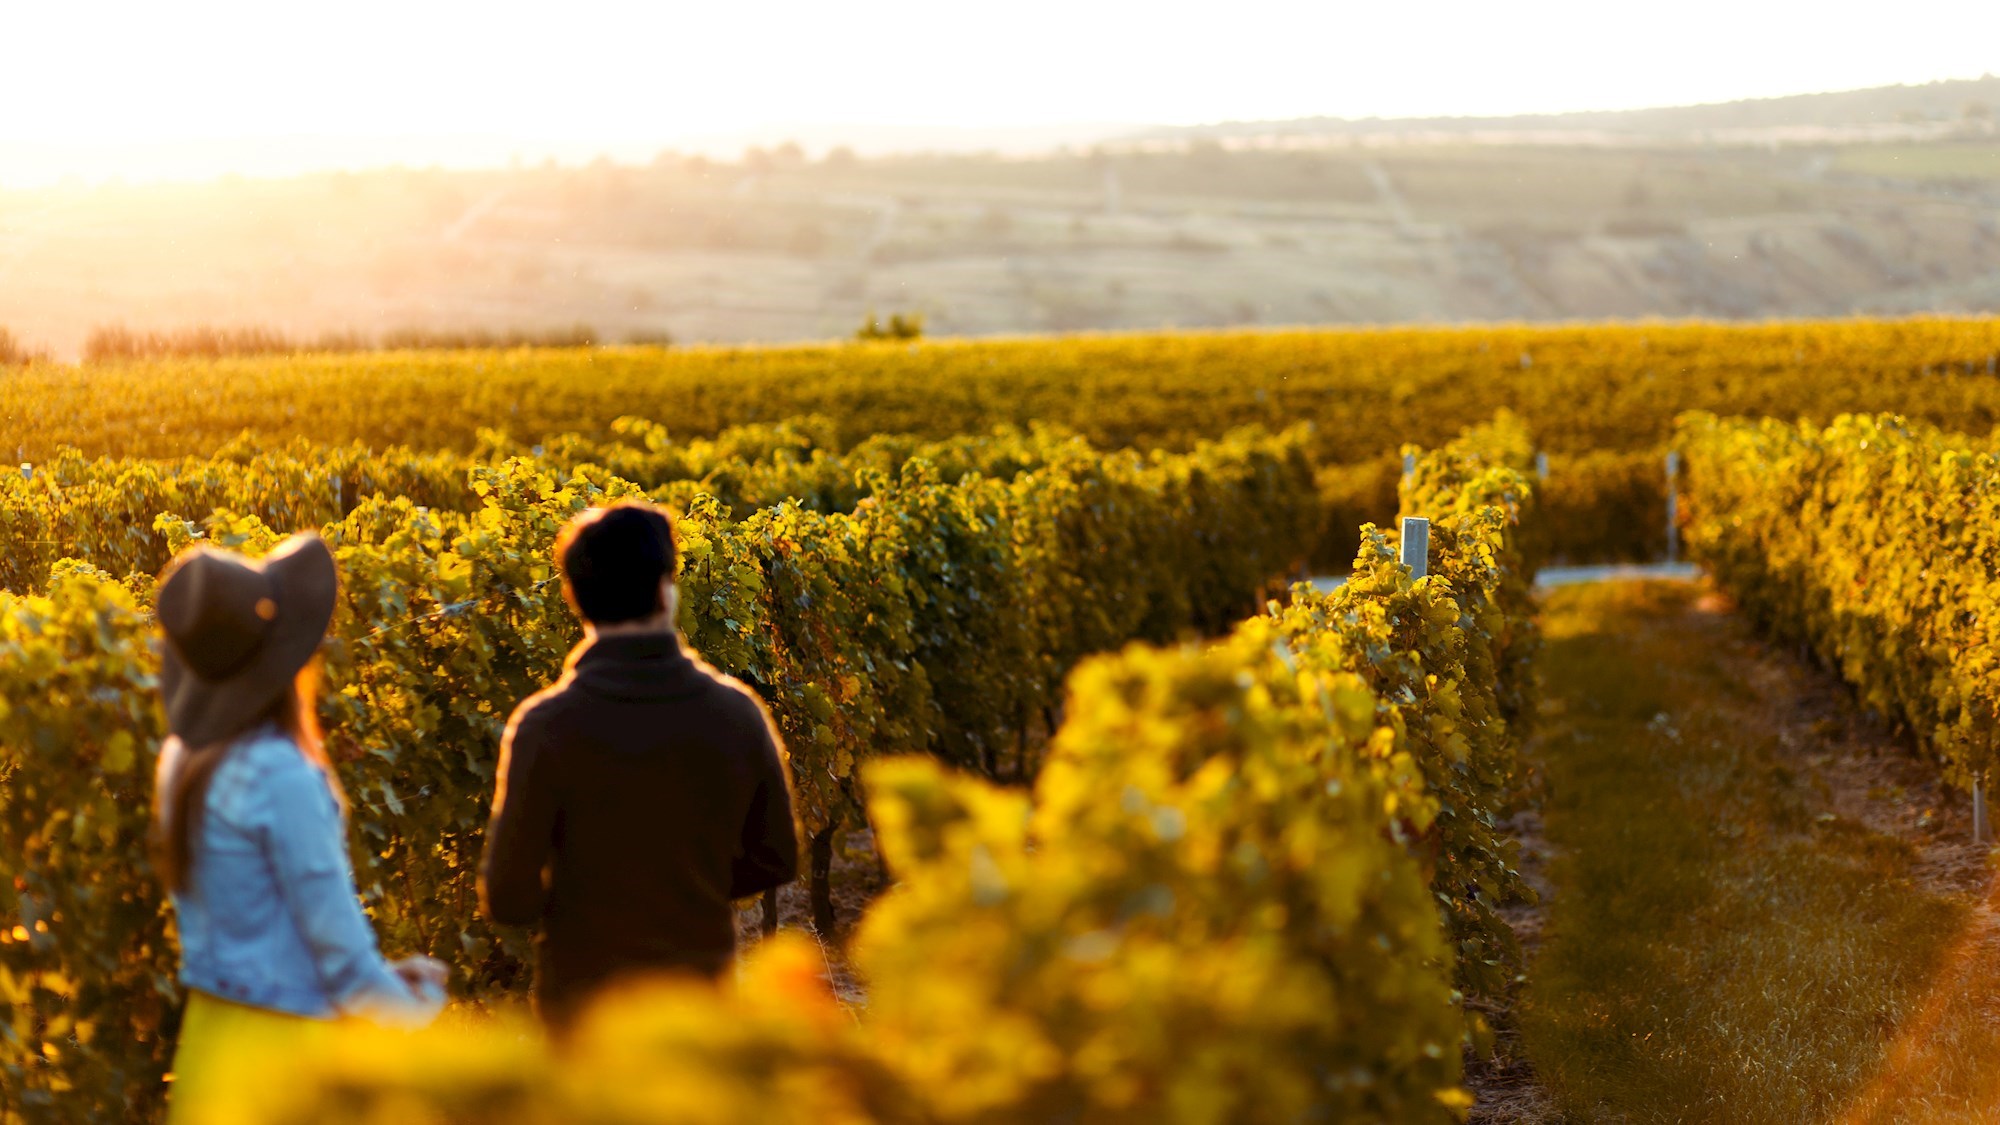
1417	545
1673	506
1981	831
1409	466
1541	466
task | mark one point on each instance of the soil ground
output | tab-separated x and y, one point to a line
857	878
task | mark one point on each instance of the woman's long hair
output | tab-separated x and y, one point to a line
182	795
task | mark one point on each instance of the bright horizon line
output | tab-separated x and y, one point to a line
223	156
91	85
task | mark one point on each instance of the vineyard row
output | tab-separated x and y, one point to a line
1602	399
1875	543
1250	884
936	618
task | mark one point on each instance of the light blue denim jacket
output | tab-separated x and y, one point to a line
269	916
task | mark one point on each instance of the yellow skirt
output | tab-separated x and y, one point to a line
226	1048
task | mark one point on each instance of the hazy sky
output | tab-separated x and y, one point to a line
186	87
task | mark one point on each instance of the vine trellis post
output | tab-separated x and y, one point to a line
1417	545
1673	506
1982	827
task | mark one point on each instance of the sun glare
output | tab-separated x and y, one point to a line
172	91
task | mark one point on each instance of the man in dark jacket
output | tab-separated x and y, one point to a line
641	793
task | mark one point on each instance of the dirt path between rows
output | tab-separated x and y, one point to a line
1507	1090
1804	804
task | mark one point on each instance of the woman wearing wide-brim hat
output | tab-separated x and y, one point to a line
249	821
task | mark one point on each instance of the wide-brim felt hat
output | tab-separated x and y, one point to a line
238	630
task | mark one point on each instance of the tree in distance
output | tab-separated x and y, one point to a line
900	326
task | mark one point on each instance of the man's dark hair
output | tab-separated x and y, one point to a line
613	559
